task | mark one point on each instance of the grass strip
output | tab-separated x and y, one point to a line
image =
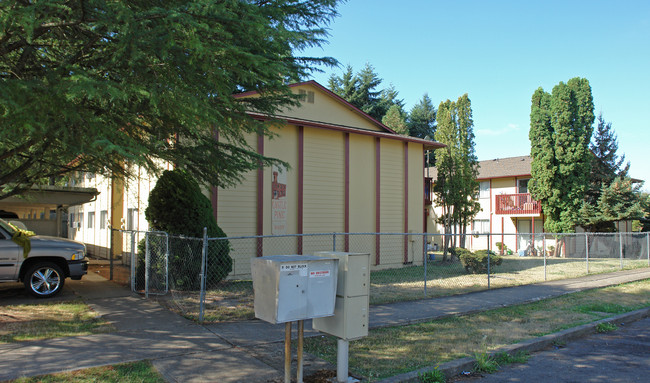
49	320
142	372
394	350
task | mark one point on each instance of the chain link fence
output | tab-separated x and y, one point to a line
209	279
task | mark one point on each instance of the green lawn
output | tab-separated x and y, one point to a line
233	300
389	351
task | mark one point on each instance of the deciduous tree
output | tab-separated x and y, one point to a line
456	186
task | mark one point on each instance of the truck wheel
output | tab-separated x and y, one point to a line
44	280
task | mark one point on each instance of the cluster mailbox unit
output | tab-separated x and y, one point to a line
332	288
294	287
350	320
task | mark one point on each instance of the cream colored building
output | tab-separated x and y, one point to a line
507	209
348	174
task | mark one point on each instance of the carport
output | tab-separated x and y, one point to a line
42	208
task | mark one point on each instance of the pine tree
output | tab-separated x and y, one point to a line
606	165
422	119
363	91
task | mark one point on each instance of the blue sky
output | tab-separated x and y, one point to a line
499	52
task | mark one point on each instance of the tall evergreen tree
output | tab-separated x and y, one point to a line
606	164
561	128
345	85
88	85
367	96
363	91
422	118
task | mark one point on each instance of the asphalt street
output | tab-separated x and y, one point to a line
620	356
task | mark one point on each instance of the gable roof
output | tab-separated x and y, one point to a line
327	110
497	168
345	104
504	167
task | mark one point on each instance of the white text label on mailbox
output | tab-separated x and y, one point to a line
294	267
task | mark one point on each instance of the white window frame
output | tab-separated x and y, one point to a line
481	226
91	219
519	187
484	189
103	219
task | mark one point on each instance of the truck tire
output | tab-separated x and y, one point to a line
44	279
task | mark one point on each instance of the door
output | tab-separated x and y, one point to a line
10	257
524	227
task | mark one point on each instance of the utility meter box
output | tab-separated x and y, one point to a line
350	320
294	287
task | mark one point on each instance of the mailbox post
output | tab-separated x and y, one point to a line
350	319
294	288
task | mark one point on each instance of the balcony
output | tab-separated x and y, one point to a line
517	204
428	191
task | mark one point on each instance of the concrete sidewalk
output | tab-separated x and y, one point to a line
248	351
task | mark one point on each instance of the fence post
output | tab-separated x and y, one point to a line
647	246
146	266
166	262
110	257
425	261
488	256
620	247
203	261
544	246
587	250
133	260
333	241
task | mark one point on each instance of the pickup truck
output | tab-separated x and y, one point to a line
44	268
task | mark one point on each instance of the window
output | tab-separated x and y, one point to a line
481	226
131	219
91	219
484	189
522	186
71	220
103	218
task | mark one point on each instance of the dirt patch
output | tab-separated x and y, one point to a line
121	273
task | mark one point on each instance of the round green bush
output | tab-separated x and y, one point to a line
178	207
477	262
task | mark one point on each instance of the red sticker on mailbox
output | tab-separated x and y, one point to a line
322	273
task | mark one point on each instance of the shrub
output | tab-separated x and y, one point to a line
177	206
476	263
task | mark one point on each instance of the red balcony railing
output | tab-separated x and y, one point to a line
513	204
